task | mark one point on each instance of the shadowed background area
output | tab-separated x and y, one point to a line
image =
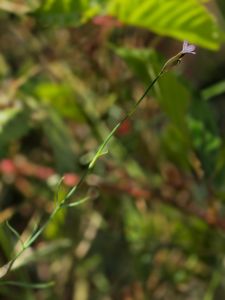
154	224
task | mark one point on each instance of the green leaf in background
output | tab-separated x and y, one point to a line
61	97
206	144
204	132
214	90
68	12
174	147
184	20
221	4
61	142
14	123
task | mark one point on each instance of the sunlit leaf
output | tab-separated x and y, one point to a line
184	20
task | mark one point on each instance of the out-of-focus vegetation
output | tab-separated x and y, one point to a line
155	222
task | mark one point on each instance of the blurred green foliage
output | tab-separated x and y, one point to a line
154	227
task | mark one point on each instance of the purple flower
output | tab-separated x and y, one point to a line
188	48
175	60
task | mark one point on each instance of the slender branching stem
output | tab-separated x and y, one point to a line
64	203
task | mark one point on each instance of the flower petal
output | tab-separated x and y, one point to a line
185	44
188	48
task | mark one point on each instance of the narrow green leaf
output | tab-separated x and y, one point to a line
214	90
13	230
28	285
76	203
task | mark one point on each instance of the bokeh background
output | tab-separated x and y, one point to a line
155	222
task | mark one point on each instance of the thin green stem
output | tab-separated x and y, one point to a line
99	152
127	116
